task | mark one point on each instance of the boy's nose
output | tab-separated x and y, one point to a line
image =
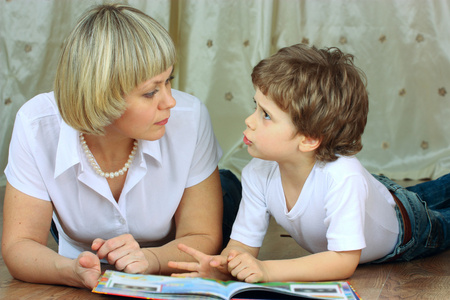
249	122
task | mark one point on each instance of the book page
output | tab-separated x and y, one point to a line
152	286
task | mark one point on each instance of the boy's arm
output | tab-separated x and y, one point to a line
239	261
202	266
324	266
211	266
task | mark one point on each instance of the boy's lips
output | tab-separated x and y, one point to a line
247	141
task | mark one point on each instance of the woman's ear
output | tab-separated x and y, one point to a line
307	144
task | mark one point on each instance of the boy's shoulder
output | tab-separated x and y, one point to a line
345	166
260	166
342	168
342	162
260	174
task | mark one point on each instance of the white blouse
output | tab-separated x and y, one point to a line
46	161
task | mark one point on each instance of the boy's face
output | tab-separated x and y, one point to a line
270	133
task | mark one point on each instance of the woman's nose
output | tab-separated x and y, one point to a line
168	101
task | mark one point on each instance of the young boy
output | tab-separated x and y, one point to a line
311	110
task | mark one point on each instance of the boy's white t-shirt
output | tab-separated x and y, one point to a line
341	207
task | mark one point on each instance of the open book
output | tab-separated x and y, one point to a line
165	287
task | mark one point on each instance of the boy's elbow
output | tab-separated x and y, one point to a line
342	272
351	262
350	270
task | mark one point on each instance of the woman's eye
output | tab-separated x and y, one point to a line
169	79
151	94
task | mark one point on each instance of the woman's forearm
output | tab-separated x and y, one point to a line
26	224
239	247
30	261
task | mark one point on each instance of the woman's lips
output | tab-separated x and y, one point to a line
163	122
247	141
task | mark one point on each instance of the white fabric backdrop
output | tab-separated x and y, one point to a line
402	45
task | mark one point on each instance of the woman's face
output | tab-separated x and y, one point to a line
148	109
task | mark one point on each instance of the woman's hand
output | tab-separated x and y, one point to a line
123	252
247	268
207	266
88	269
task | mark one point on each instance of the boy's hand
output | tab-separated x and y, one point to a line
207	266
247	268
123	252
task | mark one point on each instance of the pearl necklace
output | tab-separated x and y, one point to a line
96	167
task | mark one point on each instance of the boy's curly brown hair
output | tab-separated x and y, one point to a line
324	93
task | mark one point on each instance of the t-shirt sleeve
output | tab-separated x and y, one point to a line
22	171
345	214
253	217
207	150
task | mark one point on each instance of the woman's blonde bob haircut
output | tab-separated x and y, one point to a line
111	50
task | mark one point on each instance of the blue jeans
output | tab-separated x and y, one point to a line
232	193
428	208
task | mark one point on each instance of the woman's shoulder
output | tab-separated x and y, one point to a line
38	107
185	100
188	110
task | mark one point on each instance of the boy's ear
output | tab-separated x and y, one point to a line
307	144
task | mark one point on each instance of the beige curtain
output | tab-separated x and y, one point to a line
402	45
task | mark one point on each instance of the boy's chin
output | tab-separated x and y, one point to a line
254	153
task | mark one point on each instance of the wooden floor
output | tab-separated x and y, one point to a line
427	278
421	279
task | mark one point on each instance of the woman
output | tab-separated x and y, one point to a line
126	166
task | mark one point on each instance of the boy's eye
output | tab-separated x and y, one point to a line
265	115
